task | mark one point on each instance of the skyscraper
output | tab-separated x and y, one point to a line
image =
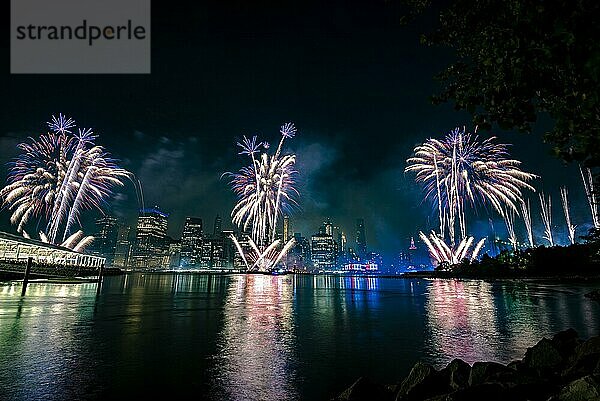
122	247
286	228
361	240
218	227
191	242
150	245
299	257
323	252
105	240
328	227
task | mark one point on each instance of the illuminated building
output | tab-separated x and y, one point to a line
299	257
122	247
328	227
286	228
361	267
150	245
173	258
17	249
191	242
323	250
361	239
217	228
105	240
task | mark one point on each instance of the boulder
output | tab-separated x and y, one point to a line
533	390
584	359
365	390
485	392
584	389
457	373
490	372
422	382
565	342
543	358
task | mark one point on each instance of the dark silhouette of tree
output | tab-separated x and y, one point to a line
515	60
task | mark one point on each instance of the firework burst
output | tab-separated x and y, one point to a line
460	172
56	177
265	190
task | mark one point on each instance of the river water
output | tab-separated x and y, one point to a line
258	337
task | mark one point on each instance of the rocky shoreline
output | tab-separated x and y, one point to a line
564	368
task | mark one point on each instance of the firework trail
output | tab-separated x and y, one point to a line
461	171
265	190
565	204
526	213
590	192
509	220
546	213
56	177
443	253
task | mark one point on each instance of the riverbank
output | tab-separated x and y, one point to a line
564	368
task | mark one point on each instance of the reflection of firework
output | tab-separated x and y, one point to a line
459	172
56	177
265	189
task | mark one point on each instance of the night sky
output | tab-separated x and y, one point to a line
353	79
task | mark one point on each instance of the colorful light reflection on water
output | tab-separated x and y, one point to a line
249	337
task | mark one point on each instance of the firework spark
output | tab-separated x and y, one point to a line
526	213
565	204
509	220
443	253
265	190
590	192
546	213
56	177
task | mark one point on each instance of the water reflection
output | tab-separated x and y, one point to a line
255	358
42	338
461	321
480	321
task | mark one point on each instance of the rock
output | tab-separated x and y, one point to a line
489	372
422	382
457	373
584	359
565	342
485	392
591	346
534	390
543	357
584	389
365	390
